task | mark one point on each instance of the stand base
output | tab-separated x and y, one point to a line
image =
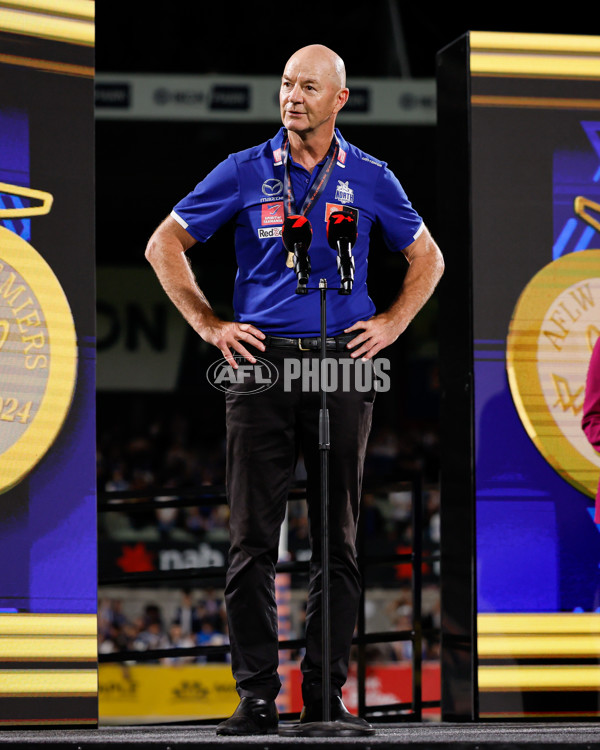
325	729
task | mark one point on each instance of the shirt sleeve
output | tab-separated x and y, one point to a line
400	223
212	203
591	405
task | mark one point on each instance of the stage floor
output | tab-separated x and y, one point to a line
480	736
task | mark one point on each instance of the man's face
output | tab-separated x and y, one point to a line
310	94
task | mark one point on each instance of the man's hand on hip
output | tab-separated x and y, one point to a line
226	336
375	334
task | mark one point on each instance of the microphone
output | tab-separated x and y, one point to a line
341	235
297	236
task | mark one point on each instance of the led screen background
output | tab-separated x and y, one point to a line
534	150
552	565
48	557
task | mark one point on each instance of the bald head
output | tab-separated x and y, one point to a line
313	90
319	59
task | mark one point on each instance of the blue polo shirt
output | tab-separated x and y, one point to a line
248	187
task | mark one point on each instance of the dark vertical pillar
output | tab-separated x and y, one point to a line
459	668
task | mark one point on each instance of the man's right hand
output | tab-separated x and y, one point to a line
227	336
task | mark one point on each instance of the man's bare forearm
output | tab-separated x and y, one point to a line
166	254
425	270
422	277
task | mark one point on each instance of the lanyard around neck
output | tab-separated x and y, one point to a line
316	189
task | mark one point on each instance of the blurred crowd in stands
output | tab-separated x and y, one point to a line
199	619
169	452
195	622
168	455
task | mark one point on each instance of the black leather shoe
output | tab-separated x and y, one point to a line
314	712
252	716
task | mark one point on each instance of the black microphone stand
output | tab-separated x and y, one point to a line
326	727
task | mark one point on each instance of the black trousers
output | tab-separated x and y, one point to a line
265	431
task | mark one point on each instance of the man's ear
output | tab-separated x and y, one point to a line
342	98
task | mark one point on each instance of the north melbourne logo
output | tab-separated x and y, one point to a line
343	193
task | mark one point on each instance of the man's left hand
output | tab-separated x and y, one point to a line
375	334
426	266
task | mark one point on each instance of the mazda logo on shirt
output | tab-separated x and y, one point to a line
272	187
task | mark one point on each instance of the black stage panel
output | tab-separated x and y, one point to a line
453	736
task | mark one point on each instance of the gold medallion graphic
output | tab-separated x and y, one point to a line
552	332
38	349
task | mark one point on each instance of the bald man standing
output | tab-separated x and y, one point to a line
306	169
